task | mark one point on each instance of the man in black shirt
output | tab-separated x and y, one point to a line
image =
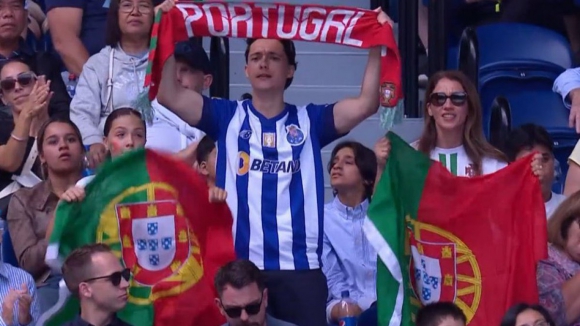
95	275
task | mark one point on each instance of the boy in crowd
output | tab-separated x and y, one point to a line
530	138
205	156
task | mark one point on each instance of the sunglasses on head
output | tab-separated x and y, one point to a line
114	278
251	309
23	79
457	98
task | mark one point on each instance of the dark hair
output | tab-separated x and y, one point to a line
246	96
474	142
205	146
510	317
42	132
525	137
112	29
78	265
238	274
289	50
364	159
434	313
4	63
121	112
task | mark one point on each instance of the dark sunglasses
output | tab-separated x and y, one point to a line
24	79
457	98
251	309
114	278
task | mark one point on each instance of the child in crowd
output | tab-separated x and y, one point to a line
124	131
441	314
530	138
349	260
205	156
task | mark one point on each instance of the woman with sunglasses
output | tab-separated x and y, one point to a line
31	210
28	96
114	77
453	132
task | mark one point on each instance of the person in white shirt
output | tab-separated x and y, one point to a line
530	138
453	132
168	133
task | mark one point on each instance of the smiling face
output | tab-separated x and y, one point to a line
12	19
448	105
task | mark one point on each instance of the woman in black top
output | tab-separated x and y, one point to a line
28	96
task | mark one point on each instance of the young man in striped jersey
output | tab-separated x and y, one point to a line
269	162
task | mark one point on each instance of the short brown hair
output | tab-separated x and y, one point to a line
567	213
238	274
78	264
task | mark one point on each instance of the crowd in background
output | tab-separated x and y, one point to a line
65	112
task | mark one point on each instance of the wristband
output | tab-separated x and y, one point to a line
17	138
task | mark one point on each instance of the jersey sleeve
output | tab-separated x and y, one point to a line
322	123
216	115
51	4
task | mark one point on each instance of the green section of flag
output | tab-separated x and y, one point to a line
397	196
76	224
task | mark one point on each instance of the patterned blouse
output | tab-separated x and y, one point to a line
551	274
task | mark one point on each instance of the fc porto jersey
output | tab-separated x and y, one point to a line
273	173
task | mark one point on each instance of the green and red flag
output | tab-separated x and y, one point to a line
154	212
471	241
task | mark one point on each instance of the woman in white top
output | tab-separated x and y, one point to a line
453	132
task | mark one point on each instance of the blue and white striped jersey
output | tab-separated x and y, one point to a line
272	170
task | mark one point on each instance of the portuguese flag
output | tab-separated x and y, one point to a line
155	214
471	241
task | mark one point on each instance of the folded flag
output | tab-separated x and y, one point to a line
471	241
154	212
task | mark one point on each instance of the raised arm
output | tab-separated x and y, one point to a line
348	113
65	28
186	104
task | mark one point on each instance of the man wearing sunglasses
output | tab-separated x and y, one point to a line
95	275
243	297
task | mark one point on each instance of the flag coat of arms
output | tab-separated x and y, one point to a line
154	212
472	241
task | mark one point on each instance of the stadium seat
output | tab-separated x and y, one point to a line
8	255
503	60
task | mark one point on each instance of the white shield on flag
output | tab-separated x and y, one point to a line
427	274
154	241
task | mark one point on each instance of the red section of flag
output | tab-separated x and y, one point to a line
212	226
505	209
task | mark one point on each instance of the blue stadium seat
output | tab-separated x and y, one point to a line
8	255
520	62
510	63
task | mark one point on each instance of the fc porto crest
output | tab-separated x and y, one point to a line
294	135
